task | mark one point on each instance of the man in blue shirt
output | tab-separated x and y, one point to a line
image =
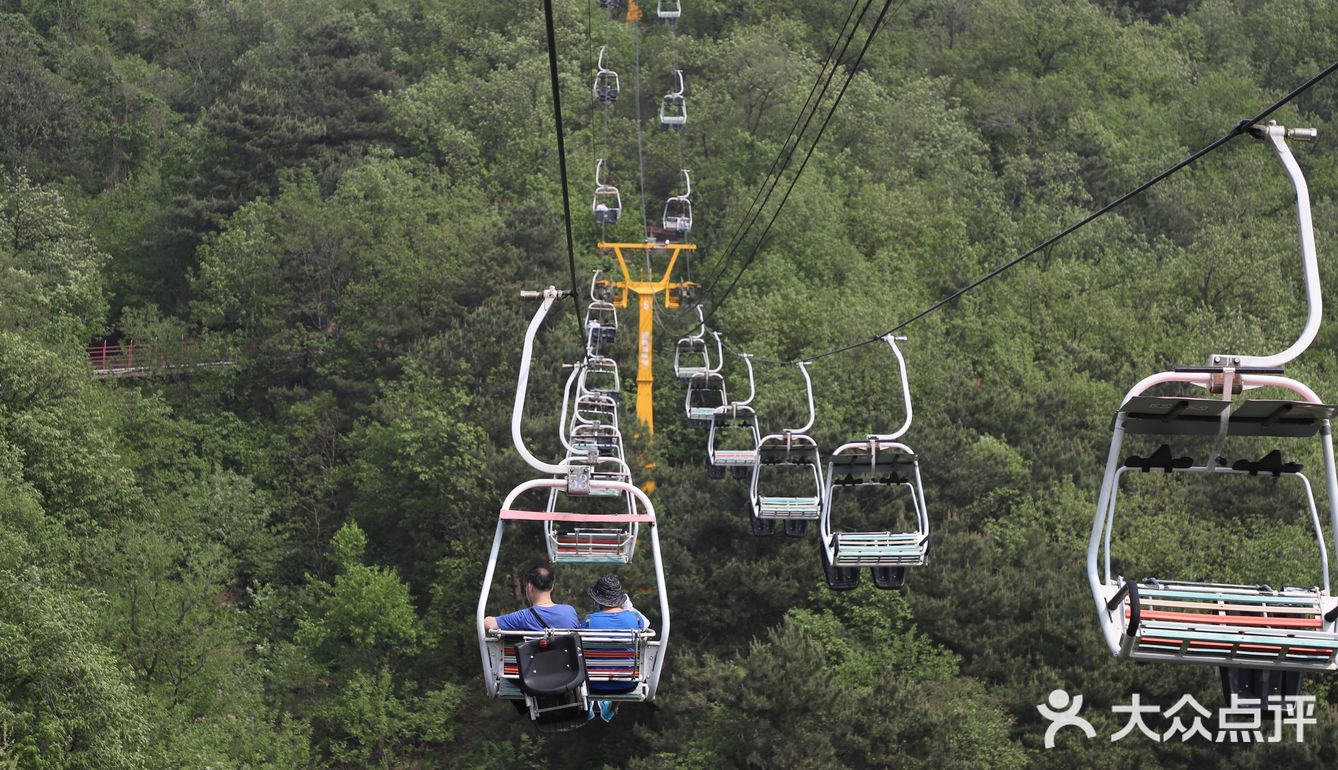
539	590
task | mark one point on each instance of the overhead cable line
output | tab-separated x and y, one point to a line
562	161
640	148
777	167
850	76
1236	130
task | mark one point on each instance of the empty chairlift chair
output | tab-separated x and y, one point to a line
678	210
599	377
734	436
796	453
668	10
606	81
706	392
691	357
591	413
602	534
1261	638
876	461
673	107
600	447
607	203
592	439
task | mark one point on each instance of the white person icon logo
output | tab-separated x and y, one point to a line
1063	712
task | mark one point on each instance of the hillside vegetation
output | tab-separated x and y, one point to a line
275	564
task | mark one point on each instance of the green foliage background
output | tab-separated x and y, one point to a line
275	564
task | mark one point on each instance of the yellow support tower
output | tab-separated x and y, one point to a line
645	290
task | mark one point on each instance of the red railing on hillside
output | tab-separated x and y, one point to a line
129	359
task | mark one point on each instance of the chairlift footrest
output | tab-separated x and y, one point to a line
889	578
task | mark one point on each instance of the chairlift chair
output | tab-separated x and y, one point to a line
599	377
598	538
678	210
668	10
876	461
601	317
706	392
734	435
691	358
594	409
584	437
791	449
606	203
634	658
673	107
601	325
606	81
1246	630
553	688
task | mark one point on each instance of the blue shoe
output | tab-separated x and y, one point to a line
590	713
607	709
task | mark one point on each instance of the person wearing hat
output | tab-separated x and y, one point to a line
613	610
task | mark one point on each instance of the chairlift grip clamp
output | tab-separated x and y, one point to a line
1262	131
551	291
578	479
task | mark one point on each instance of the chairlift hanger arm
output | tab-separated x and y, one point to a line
719	354
752	386
905	391
808	392
549	295
566	399
1276	136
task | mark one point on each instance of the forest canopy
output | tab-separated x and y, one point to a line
274	562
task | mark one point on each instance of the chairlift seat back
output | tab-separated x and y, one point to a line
1183	415
553	665
863	468
589	545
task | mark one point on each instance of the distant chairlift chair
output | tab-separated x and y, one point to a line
734	436
678	210
691	357
601	319
606	81
706	392
791	449
607	203
878	460
673	107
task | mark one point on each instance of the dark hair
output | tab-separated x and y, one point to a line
541	577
